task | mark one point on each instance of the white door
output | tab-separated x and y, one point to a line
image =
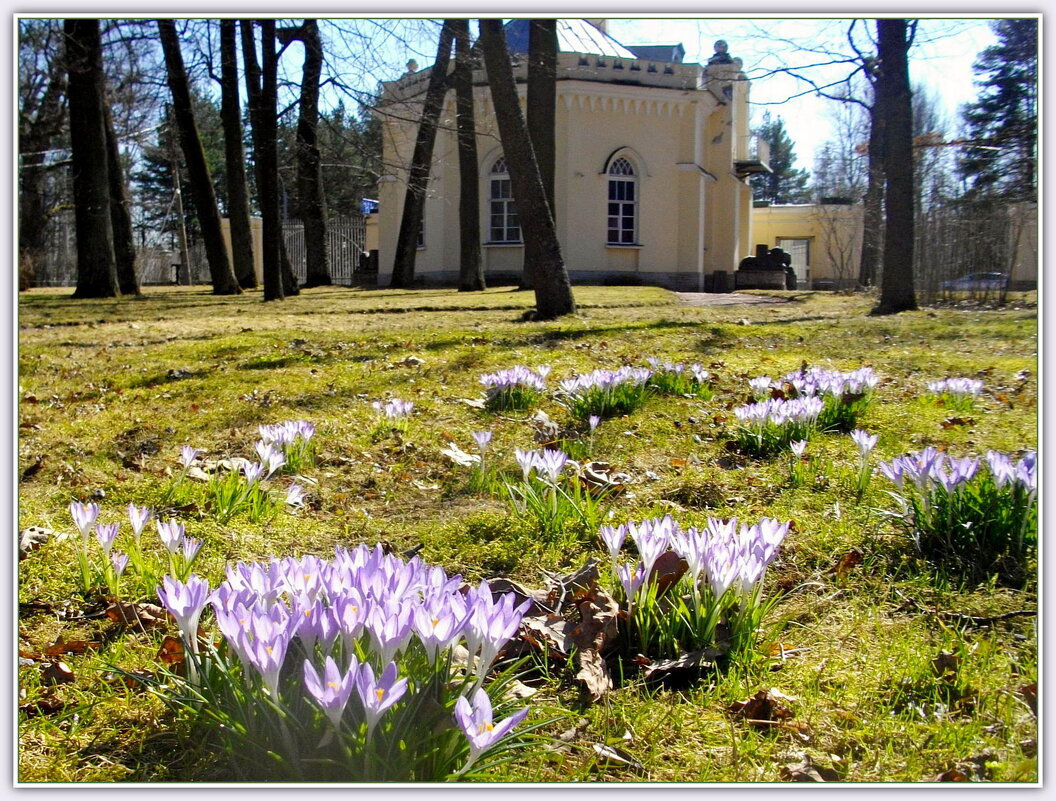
800	251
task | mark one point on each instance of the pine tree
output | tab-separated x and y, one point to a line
784	184
1003	122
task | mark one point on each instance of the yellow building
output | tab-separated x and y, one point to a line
652	160
824	240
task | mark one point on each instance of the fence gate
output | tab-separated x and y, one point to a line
345	241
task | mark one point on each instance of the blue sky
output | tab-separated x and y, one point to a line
941	59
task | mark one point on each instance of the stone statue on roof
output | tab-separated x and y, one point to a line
722	53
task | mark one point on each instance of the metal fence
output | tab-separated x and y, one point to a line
346	239
345	242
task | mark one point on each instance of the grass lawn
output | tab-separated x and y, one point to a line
895	668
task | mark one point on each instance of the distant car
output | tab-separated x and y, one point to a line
977	282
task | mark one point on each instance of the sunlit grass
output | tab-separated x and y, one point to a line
110	390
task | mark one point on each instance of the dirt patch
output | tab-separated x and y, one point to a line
729	299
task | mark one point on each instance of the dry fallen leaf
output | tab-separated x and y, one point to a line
139	615
57	673
848	561
950	422
808	771
72	647
610	755
32	538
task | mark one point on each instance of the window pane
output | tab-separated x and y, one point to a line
628	237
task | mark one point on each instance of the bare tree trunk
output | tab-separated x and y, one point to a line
310	199
553	293
542	120
418	179
895	104
873	202
223	277
120	215
263	123
38	128
471	266
96	267
237	192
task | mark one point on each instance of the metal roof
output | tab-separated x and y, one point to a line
573	36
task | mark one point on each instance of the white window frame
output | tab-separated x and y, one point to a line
501	207
622	203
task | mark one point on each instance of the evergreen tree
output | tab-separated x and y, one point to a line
784	184
1003	122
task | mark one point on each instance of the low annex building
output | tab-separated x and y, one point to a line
652	160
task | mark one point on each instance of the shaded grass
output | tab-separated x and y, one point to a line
112	389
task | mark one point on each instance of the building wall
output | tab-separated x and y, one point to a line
833	231
680	137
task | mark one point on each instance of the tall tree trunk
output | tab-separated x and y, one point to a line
542	118
418	179
37	131
265	157
223	277
96	267
471	266
120	214
553	293
237	192
873	201
895	100
310	199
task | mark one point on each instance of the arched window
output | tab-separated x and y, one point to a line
503	224
623	203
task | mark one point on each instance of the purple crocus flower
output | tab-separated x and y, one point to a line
390	626
438	625
798	448
171	533
613	539
120	561
593	421
865	442
1001	468
185	602
188	455
631	578
527	460
138	517
106	533
379	695
265	641
551	462
254	471
331	690
477	722
190	547
760	385
84	516
482	438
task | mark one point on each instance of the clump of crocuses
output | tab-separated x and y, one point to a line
552	495
679	379
725	565
606	393
845	395
958	394
295	439
971	520
112	562
770	426
344	669
516	388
